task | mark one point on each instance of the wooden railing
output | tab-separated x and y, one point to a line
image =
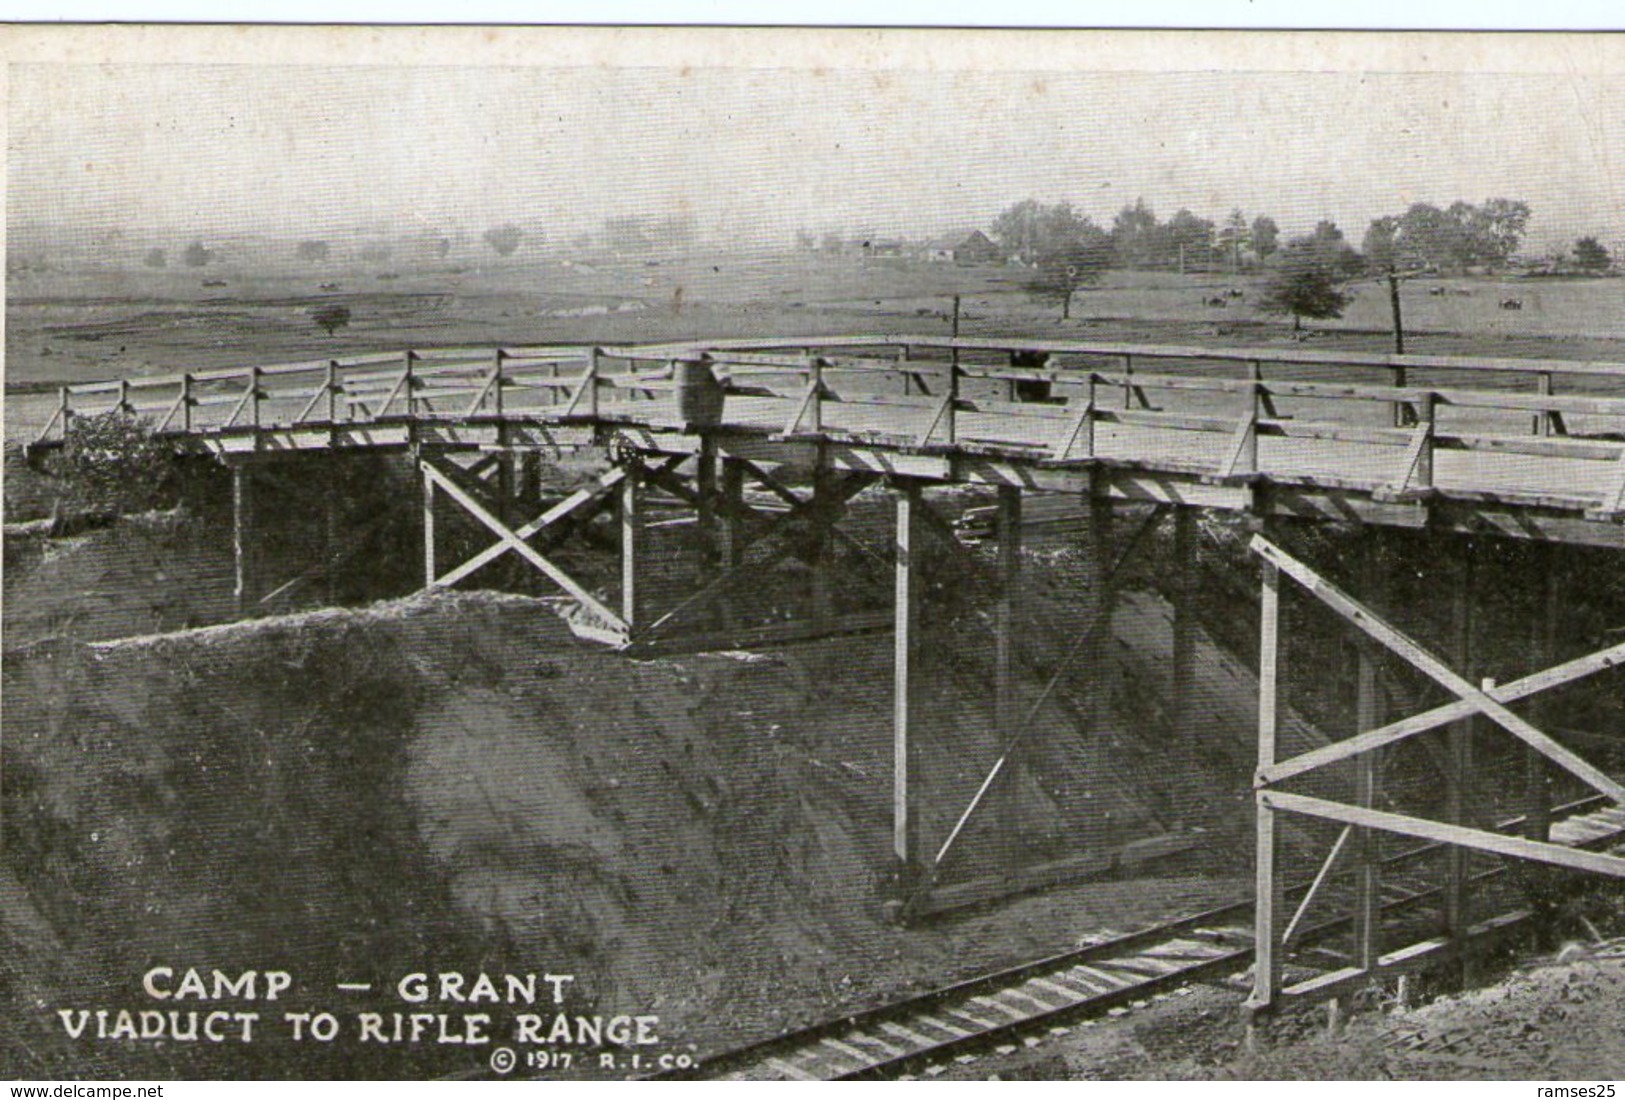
1040	401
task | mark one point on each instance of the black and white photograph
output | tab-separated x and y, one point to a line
716	553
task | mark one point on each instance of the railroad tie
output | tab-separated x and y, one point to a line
942	1025
909	1036
964	1014
1022	993
1148	965
1109	980
994	1002
871	1040
790	1070
851	1052
1069	994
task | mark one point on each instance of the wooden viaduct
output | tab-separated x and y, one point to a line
1522	449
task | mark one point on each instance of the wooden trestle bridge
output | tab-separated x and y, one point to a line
1510	448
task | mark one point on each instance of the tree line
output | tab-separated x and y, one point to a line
1067	251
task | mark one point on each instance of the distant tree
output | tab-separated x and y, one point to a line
1497	229
1186	239
1017	230
1458	237
1334	251
1136	236
504	239
1380	246
312	251
156	257
1066	251
331	318
1266	236
196	255
1305	284
1591	257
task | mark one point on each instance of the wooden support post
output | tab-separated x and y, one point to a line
242	537
255	395
815	395
1543	419
430	574
1267	886
631	528
1005	624
1459	744
498	401
732	535
1544	623
910	538
505	480
705	509
1185	588
1368	716
1100	610
822	544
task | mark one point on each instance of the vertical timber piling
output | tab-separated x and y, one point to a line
907	618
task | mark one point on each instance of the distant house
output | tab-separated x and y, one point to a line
963	248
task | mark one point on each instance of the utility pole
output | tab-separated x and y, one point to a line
1393	301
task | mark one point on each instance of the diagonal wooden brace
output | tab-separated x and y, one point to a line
1368	621
511	540
1079	440
790	497
822	509
584	497
1556	676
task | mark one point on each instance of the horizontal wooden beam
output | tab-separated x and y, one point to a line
1478	839
858	622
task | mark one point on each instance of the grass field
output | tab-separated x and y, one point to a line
90	320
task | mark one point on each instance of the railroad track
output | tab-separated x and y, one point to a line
1089	981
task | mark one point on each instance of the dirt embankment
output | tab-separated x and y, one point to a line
455	783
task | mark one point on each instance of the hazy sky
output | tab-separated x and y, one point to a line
209	149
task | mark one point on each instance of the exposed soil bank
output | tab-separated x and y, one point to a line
455	784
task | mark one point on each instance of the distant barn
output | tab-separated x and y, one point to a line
973	247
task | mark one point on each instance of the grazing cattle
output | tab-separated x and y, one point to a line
1235	292
1511	303
330	286
1216	302
1438	291
1462	292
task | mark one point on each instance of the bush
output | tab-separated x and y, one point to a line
114	462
